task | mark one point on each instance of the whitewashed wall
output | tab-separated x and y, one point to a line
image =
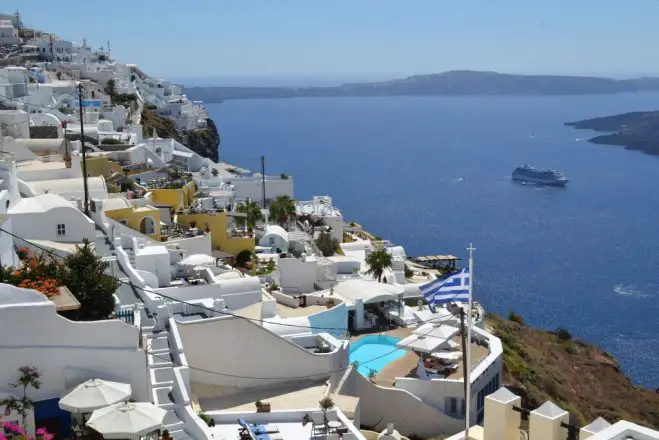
43	225
296	276
241	347
66	352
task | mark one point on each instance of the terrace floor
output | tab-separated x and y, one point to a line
291	396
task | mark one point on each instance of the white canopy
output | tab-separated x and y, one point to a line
127	420
368	291
436	330
424	344
447	355
94	394
197	260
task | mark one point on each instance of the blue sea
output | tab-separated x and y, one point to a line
433	174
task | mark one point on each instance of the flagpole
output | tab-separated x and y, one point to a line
467	374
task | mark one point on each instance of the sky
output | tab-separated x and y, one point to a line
359	39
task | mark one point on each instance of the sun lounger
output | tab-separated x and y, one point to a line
257	431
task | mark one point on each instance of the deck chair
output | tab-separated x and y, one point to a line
318	425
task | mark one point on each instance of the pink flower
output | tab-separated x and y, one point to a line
41	432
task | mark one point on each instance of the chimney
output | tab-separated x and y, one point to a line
545	422
588	431
501	420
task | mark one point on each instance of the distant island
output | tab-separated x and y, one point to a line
453	83
635	130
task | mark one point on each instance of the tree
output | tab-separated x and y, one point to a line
252	210
110	88
282	210
84	275
215	172
378	260
243	257
29	378
327	244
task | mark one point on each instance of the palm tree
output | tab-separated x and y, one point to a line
378	260
282	210
252	212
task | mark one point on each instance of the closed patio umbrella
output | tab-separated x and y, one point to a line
127	420
94	394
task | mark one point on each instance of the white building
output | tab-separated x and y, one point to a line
8	33
276	238
13	84
66	353
321	206
53	49
50	217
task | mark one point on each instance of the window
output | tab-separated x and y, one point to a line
61	229
454	405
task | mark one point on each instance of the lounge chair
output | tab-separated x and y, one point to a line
257	432
318	425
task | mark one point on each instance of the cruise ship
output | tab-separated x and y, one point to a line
527	173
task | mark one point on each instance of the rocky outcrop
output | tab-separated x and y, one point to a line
204	141
579	377
634	131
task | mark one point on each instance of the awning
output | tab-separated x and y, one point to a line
436	331
368	291
222	254
423	344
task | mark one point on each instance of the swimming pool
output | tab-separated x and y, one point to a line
369	347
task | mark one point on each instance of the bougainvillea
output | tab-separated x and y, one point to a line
38	273
15	431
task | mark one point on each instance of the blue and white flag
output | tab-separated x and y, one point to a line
448	288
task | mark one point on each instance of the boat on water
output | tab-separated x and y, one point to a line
529	174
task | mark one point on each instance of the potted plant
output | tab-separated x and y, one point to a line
207	228
326	404
330	303
262	406
193	224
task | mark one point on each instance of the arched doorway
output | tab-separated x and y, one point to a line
147	226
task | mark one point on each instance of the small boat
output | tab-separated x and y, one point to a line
529	174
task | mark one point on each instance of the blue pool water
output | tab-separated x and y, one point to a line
374	352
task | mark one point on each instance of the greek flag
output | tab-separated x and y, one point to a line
451	287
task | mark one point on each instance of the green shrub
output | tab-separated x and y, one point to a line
514	317
409	273
563	334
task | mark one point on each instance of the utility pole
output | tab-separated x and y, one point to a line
52	51
84	156
263	178
463	332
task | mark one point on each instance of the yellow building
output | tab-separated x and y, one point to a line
216	223
99	166
178	199
145	219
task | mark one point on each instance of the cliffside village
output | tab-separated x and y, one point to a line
239	311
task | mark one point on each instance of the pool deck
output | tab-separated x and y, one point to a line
401	367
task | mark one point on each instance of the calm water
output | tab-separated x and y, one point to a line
374	352
583	257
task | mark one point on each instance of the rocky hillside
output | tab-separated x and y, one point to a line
579	377
205	141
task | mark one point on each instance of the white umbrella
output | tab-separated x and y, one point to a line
197	260
94	394
127	420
